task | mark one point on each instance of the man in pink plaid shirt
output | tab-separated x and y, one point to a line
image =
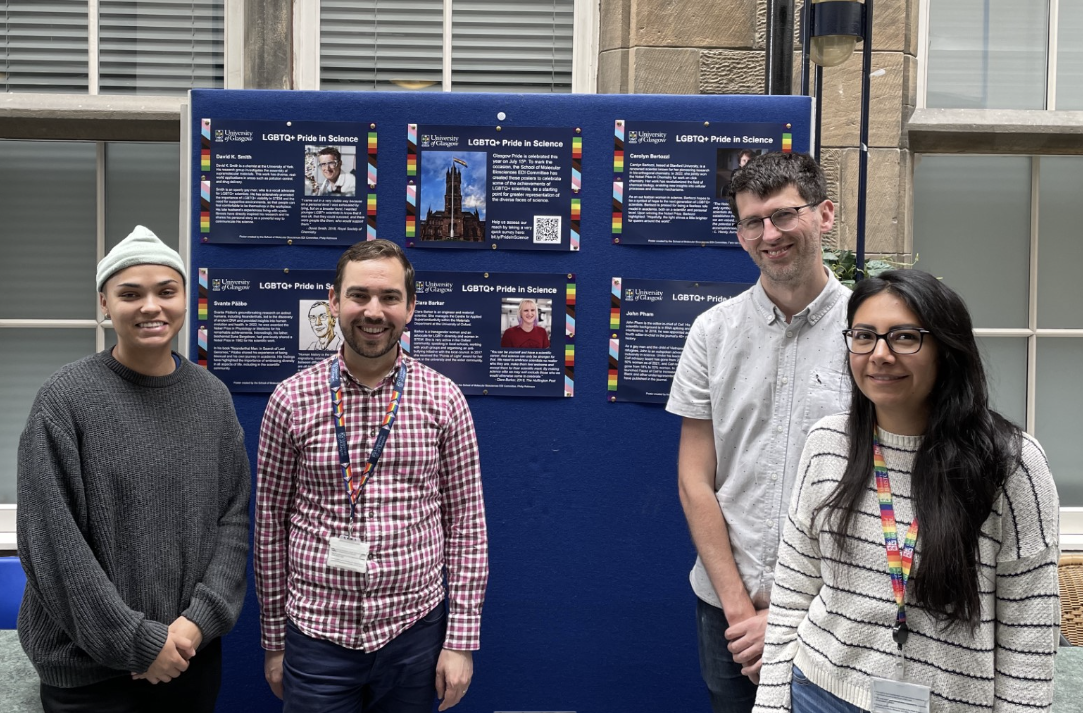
369	495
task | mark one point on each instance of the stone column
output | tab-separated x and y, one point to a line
268	43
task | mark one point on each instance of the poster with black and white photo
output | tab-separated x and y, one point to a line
287	182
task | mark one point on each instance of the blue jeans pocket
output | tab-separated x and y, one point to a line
799	678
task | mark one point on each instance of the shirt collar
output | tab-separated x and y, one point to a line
832	292
402	358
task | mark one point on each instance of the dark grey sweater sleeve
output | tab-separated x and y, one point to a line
216	602
60	565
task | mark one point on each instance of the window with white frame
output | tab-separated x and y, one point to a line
1001	229
985	54
451	45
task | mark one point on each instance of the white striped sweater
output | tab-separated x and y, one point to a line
832	613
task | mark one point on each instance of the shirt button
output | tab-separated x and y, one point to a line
785	380
780	429
770	525
789	334
774	476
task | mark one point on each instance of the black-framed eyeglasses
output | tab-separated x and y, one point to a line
782	219
905	340
329	164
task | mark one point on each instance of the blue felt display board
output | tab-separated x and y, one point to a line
589	607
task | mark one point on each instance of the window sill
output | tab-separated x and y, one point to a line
75	117
996	131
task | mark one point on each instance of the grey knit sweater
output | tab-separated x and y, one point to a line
832	612
133	510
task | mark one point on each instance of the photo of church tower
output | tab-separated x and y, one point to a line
454	222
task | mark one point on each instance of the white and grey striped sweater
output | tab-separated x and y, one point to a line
832	613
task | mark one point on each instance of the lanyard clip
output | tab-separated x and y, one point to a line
900	632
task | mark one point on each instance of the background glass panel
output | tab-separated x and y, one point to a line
49	226
987	54
388	46
972	228
1059	393
43	46
29	357
142	187
1005	360
500	46
1060	251
160	47
1069	55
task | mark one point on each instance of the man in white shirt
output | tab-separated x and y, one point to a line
756	372
336	182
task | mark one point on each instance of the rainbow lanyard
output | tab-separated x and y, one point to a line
354	488
898	563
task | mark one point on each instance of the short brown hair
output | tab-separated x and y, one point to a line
377	250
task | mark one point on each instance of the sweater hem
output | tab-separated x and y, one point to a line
859	696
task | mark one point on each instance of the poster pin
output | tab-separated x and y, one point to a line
372	126
612	399
498	128
706	123
571	275
289	242
486	275
789	126
578	130
616	241
494	246
206	239
286	270
484	392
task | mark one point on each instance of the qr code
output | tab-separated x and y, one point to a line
547	229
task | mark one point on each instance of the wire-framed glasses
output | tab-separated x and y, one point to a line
782	219
904	340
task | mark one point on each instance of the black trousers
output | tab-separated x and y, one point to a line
194	691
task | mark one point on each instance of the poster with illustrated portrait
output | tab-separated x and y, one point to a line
258	327
287	182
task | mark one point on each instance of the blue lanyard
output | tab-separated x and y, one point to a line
353	489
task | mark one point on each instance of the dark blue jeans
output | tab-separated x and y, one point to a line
731	691
318	675
807	697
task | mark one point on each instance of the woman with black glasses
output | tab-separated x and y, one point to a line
918	569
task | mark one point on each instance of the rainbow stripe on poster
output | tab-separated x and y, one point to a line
787	143
577	147
204	222
205	159
371	208
372	143
618	162
570	294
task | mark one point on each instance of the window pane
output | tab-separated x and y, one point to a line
49	229
1005	361
142	187
971	221
367	45
44	46
987	55
500	46
29	357
1060	251
1059	394
1069	56
161	47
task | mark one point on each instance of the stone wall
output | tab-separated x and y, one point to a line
660	46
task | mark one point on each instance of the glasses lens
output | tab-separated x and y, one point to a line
904	341
329	164
860	341
751	228
784	218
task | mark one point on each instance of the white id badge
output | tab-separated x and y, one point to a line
899	697
348	554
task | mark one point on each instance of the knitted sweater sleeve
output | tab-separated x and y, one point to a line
1027	592
61	568
797	580
216	602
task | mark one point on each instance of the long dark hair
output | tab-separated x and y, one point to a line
966	455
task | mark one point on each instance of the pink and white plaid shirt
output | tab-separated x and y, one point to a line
421	510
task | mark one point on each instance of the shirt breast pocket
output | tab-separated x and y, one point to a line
828	394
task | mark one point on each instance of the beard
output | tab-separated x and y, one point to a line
372	349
